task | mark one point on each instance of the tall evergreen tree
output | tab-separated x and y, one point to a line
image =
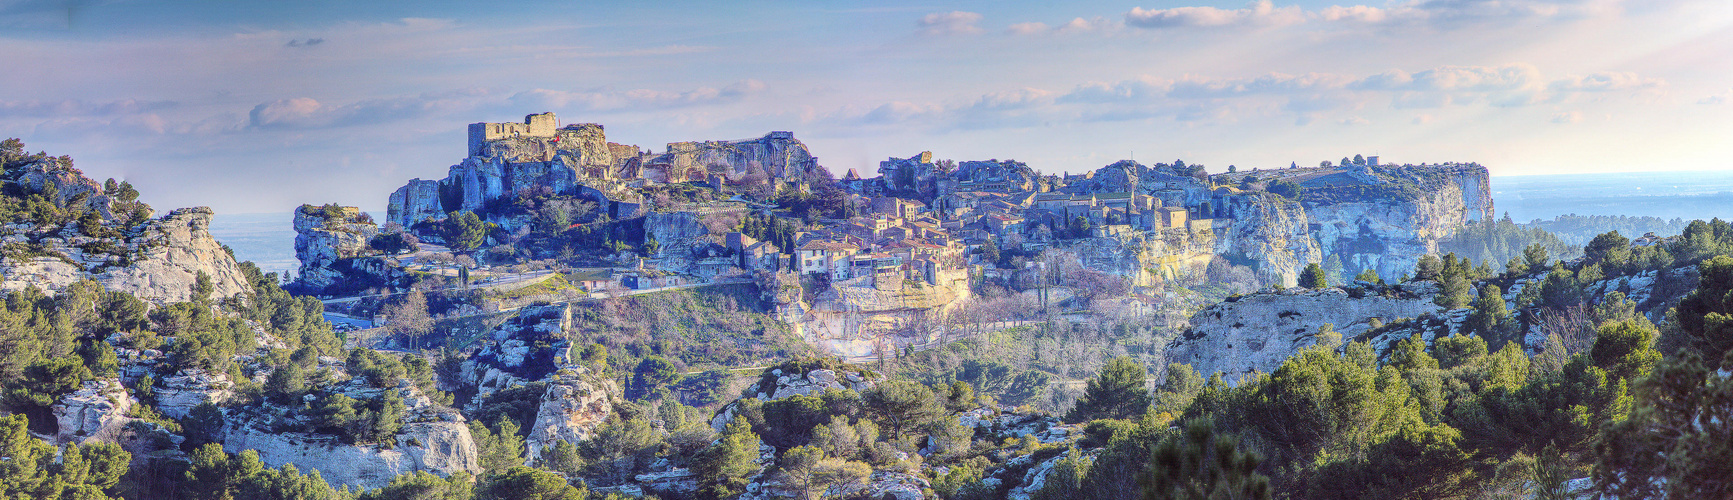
1200	464
1313	277
1117	392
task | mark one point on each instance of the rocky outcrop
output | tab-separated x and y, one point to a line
574	404
1389	230
95	411
177	395
524	348
67	184
1271	231
158	260
171	253
325	236
442	448
1258	332
414	202
776	156
856	318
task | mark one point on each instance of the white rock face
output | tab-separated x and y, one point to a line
414	202
1272	231
570	411
95	411
1259	331
48	274
854	318
167	256
322	239
891	485
177	395
173	251
1034	479
442	448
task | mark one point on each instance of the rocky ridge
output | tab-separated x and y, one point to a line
122	247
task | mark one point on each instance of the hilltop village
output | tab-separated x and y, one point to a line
863	258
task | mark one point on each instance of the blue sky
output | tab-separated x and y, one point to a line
259	106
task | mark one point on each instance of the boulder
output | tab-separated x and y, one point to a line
95	411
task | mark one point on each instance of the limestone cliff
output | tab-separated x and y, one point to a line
158	261
326	235
171	252
1380	218
1258	332
1389	226
858	318
1269	231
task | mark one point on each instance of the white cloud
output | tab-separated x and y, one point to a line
1568	117
950	23
307	112
1724	97
1604	82
1035	28
1092	25
1258	13
1355	13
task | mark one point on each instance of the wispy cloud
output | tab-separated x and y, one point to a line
1258	14
950	23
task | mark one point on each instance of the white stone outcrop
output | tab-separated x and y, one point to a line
95	411
172	251
1260	331
176	395
442	448
163	259
571	409
325	236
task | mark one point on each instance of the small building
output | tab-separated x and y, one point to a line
822	257
1173	217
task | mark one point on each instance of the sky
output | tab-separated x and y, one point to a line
253	107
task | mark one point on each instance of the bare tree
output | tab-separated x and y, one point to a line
409	318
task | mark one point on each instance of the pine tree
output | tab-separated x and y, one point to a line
1313	277
1489	311
1706	316
1202	465
1117	393
1456	292
728	463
